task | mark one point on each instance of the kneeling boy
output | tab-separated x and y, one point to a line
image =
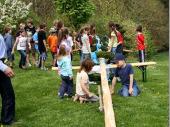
125	72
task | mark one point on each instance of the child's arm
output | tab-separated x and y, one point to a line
15	44
45	44
131	84
84	87
113	84
86	90
87	44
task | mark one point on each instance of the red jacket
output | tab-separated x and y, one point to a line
140	41
119	37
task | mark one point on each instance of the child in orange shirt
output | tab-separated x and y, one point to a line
52	42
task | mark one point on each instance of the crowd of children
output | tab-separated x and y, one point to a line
33	42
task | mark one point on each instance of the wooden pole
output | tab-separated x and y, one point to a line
100	98
107	100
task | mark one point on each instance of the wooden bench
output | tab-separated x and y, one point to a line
96	68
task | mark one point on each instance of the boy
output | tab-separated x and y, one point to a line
52	42
8	38
42	46
125	72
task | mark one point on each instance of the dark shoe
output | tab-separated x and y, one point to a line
7	123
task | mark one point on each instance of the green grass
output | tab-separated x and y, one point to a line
37	104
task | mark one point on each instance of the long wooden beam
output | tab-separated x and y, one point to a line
96	67
114	65
107	99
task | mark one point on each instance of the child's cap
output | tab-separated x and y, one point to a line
52	30
119	57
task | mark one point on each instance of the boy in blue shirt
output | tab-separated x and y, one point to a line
125	72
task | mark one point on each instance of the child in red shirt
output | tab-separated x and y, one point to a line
140	43
120	40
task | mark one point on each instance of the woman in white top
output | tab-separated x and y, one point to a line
21	43
82	83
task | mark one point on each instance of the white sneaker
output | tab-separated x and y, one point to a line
92	82
29	65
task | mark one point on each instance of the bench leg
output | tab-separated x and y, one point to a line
144	74
100	98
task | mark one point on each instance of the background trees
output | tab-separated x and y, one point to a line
11	11
77	11
151	14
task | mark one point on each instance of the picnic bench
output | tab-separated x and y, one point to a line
96	68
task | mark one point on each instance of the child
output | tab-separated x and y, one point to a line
125	72
119	48
42	47
82	83
30	29
66	40
140	43
52	42
112	45
21	43
86	50
65	71
9	45
35	39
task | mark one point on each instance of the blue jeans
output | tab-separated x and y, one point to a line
22	61
85	56
113	50
66	86
124	91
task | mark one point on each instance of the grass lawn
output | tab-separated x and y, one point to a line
37	104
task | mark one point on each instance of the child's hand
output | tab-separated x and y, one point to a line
12	52
130	91
71	78
91	94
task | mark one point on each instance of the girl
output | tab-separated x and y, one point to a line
21	43
82	83
112	38
65	71
67	41
86	50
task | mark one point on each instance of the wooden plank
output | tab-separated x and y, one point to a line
97	67
114	65
107	100
126	50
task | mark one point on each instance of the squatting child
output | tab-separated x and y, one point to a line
126	74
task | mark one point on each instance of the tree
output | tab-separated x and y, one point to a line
77	11
44	9
11	11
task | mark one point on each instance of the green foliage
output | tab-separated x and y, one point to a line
77	11
104	54
130	13
150	47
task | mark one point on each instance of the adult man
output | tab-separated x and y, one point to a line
6	89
